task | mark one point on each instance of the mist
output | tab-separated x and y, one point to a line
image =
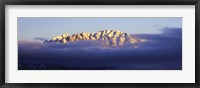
160	52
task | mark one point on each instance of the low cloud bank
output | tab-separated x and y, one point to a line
160	51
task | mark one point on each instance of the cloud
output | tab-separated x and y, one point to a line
161	51
40	39
170	37
167	34
76	44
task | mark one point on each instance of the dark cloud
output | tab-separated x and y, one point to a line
168	34
160	52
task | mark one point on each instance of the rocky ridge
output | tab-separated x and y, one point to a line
109	38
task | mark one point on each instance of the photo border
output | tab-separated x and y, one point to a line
99	2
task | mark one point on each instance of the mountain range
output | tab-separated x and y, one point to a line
108	38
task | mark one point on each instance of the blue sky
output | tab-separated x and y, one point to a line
43	27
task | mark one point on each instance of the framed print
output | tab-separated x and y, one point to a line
100	43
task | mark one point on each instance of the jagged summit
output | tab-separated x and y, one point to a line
109	38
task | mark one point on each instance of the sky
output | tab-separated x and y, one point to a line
30	28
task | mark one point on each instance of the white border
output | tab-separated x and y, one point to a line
187	75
